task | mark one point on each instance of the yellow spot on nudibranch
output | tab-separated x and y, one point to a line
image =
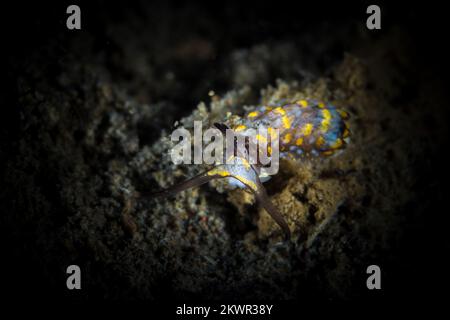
261	138
219	172
248	182
325	124
287	138
253	114
279	110
240	128
346	133
328	153
321	105
284	117
307	129
337	144
302	103
286	122
299	141
320	141
225	173
343	114
272	132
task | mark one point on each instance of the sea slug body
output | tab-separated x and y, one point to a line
306	128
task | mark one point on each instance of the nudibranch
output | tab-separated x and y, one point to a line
306	128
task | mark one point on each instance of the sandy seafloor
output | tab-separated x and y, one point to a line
89	122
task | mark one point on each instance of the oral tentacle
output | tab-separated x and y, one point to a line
196	181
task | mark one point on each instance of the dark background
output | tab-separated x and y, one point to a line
27	28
